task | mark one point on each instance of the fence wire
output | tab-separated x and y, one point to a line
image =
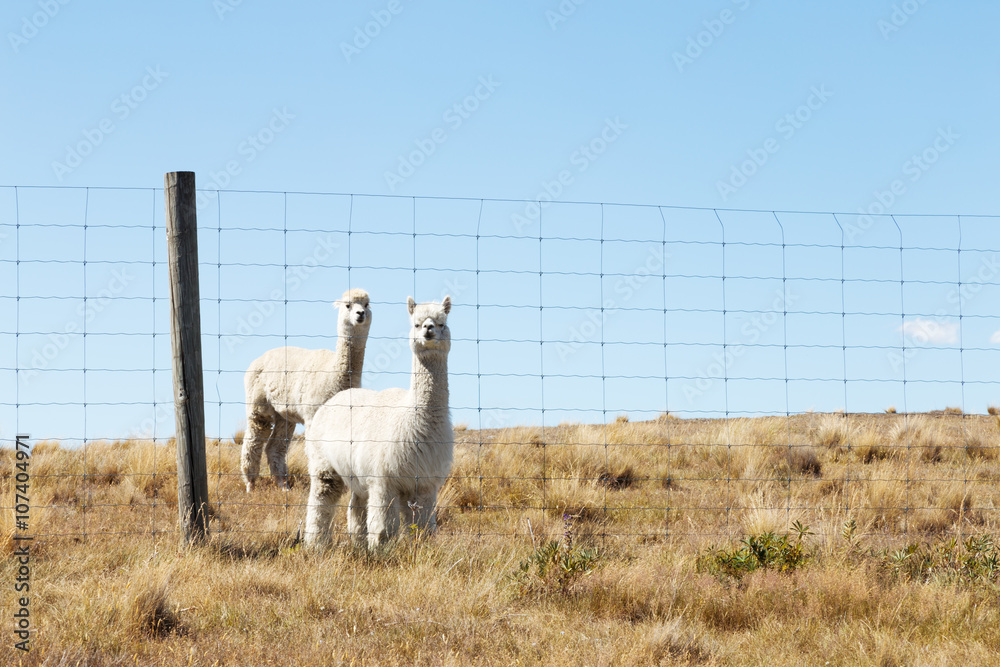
642	372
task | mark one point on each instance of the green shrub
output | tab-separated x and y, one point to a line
976	560
765	551
555	566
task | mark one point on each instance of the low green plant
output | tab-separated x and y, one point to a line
765	551
975	560
555	566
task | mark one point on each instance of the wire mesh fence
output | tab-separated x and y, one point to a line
645	372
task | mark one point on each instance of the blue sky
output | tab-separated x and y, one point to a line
857	108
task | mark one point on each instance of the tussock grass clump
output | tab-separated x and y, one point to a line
762	520
943	506
976	447
882	499
678	640
915	433
617	480
831	433
149	611
755	447
869	447
805	460
566	497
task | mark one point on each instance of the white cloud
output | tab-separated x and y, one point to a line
923	331
995	338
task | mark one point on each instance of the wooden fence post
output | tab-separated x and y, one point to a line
185	344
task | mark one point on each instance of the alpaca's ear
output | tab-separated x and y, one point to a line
447	304
337	304
410	304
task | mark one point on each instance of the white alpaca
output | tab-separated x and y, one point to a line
287	385
391	448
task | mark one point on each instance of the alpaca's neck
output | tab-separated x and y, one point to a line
429	380
350	354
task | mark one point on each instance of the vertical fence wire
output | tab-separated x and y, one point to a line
218	318
961	374
725	385
666	380
843	345
480	498
154	230
541	373
17	313
286	515
86	442
604	378
784	361
906	411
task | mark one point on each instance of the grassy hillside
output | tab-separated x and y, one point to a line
668	542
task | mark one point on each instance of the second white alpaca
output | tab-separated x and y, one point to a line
391	448
287	385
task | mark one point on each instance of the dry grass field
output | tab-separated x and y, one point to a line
813	539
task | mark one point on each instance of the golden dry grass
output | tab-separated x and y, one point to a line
110	585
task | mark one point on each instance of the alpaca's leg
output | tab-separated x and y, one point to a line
425	511
357	518
392	518
276	450
324	490
258	431
383	516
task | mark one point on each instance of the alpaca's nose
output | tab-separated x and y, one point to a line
429	331
359	317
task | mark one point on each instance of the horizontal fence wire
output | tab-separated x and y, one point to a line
643	372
